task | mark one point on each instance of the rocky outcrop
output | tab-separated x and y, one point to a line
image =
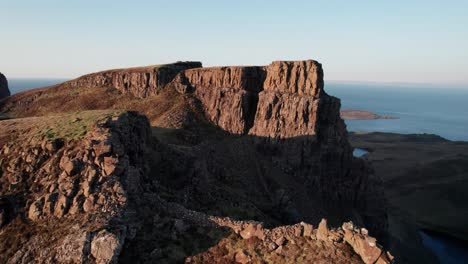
284	108
93	200
71	192
140	82
278	101
263	143
4	91
295	243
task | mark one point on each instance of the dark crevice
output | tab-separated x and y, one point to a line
252	99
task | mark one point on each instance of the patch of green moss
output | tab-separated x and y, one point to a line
72	126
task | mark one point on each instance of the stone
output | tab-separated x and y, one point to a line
308	228
88	204
91	175
73	248
297	230
102	149
322	230
86	188
259	232
241	257
106	247
364	232
248	231
363	245
62	206
35	209
111	166
53	145
390	256
68	165
280	241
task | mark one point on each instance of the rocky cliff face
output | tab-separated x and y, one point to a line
70	192
4	91
283	107
140	82
263	143
101	197
277	101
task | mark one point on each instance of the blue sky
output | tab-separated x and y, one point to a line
385	41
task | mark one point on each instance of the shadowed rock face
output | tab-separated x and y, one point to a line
284	108
4	91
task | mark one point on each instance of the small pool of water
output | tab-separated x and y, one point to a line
357	152
447	249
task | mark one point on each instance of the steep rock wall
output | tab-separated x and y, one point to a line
70	193
4	91
283	107
140	82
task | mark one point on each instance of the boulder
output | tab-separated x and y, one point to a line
106	247
363	245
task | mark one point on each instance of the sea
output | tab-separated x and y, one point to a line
17	85
420	108
431	109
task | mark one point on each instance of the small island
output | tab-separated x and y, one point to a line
351	114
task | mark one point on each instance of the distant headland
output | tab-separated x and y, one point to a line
351	114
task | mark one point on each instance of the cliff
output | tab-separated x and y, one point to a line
262	143
60	194
140	81
284	108
4	91
94	197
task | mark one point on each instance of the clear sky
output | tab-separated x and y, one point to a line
391	41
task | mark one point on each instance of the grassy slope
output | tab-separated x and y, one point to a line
165	110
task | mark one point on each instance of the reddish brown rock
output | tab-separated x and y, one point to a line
228	94
106	247
295	77
242	258
363	245
284	115
140	81
322	230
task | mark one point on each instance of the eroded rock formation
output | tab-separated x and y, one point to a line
71	191
4	91
284	108
263	143
139	81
